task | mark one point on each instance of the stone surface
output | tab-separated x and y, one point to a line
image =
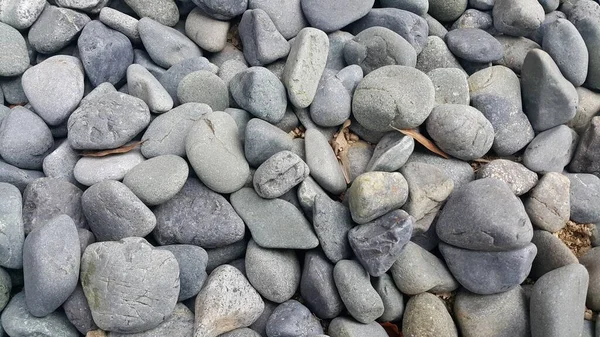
428	188
157	180
393	300
317	286
204	87
61	162
322	162
262	140
515	51
92	170
436	55
584	197
551	150
426	315
499	81
332	222
585	15
356	291
11	225
192	261
78	311
293	319
208	33
287	15
347	327
259	92
451	86
585	158
222	9
55	29
179	324
330	16
143	85
475	45
552	254
473	18
16	176
263	44
163	11
589	105
21	14
122	23
517	18
374	194
278	174
14	59
391	153
518	177
548	204
571	57
333	102
176	73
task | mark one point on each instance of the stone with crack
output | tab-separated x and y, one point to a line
278	174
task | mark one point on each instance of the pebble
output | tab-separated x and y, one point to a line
121	22
129	270
515	51
24	139
11	224
557	300
18	177
517	17
386	99
357	293
515	175
416	271
143	85
428	188
159	138
92	170
503	269
241	332
287	15
317	286
225	254
512	129
262	140
436	28
410	26
551	150
499	81
374	194
50	265
330	16
222	9
114	212
259	92
208	33
13	90
584	16
96	93
105	53
461	131
293	319
55	29
391	152
473	18
21	14
585	197
331	222
552	254
204	87
165	45
419	7
589	262
17	321
14	58
78	311
549	99
332	105
571	57
426	315
174	75
548	205
322	162
107	123
226	302
484	215
337	42
376	47
503	315
451	86
163	11
393	300
585	159
157	180
278	174
260	325
263	44
475	45
378	244
192	261
179	324
589	104
446	11
347	327
230	52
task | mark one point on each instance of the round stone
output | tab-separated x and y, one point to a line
158	179
55	29
260	92
293	319
475	45
21	14
426	315
572	58
92	170
14	58
330	16
204	87
163	11
208	33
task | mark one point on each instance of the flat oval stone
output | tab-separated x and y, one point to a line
198	216
518	177
317	286
208	33
14	58
215	152
192	261
517	17
92	170
227	302
274	273
503	269
475	45
259	92
122	23
11	224
143	85
204	87
158	179
374	194
55	28
279	174
356	291
386	99
89	6
572	59
551	150
426	315
263	44
50	265
107	123
548	204
330	16
484	215
323	164
274	223
114	212
21	14
293	319
163	11
105	53
128	270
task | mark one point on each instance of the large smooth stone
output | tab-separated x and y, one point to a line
517	17
55	29
567	48
21	14
14	57
157	180
332	222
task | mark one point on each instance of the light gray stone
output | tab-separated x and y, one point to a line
374	194
208	33
92	170
287	15
179	324
121	22
356	291
323	164
11	225
551	150
278	174
14	58
426	315
347	327
263	44
143	85
548	204
163	11
451	86
517	18
259	92
21	14
518	177
55	28
158	179
436	55
61	162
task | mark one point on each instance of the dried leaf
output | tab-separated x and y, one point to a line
340	146
482	160
423	141
122	149
391	329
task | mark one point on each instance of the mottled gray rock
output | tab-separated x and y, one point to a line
265	219
379	243
515	51
323	164
222	9
143	85
426	315
293	319
590	262
198	216
167	173
278	174
230	52
21	14
96	93
548	98
287	15
356	291
120	22
163	11
517	18
204	87
304	66
14	58
241	332
445	11
317	286
417	270
174	75
589	105
436	55
17	321
179	324
114	212
192	261
332	222
585	159
461	131
347	327
473	18
410	26
572	58
262	140
451	86
206	32
557	300
92	170
552	254
165	45
260	325
55	28
391	153
115	275
263	44
24	139
374	194
61	162
499	81
475	45
585	16
585	197
515	175
459	171
503	269
105	53
78	311
548	204
11	226
331	16
332	105
436	28
259	92
226	254
551	150
16	176
107	123
484	215
503	315
419	7
226	302
428	187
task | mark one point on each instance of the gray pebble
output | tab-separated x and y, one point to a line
263	44
585	159
222	9
262	140
174	75
279	174
475	45
92	170
13	90
419	7
393	300
158	179
78	311
571	57
451	86
21	14
208	33
518	177
332	222
143	85
61	162
114	212
473	18
584	16
14	58
552	254
265	216
331	16
589	104
241	332
332	105
11	224
499	81
426	315
96	93
446	11
551	150
163	11
226	254
517	17
428	188
16	176
179	324
356	291
585	197
55	28
589	261
323	164
260	325
204	87
287	15
120	22
293	319
192	261
128	270
459	171
347	327
241	117
337	42
548	204
105	53
230	52
515	51
374	194
391	153
259	92
317	286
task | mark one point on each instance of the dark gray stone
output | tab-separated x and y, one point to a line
552	254
13	90
337	42
14	58
105	53
21	14
551	150
515	51
317	286
585	197
587	158
259	92
475	45
332	105
585	15
378	244
426	315
11	225
515	175
263	44
197	216
222	9
517	17
572	58
279	174
485	215
330	16
356	291
114	212
260	325
293	319
393	300
428	188
192	261
55	28
332	222
262	140
548	205
445	11
174	75
78	311
374	194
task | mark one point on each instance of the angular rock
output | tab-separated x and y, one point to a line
551	150
293	319
167	175
317	286
356	291
143	85
426	315
263	44
548	204
55	29
11	225
515	175
374	194
259	92
517	18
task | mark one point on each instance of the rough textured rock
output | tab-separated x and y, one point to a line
21	14
584	197
374	194
163	11
518	177
548	204
14	58
426	315
293	319
332	222
330	16
428	187
278	174
203	86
